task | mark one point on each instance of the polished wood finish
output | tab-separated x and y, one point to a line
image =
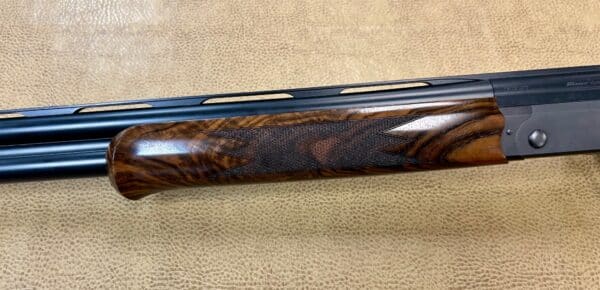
327	143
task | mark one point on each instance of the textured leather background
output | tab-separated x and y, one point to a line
528	224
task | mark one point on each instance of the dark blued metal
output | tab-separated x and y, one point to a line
570	128
505	84
564	87
66	147
537	139
53	160
83	126
510	88
564	104
52	166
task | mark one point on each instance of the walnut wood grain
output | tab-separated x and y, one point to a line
328	143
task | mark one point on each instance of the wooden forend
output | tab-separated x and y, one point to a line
327	143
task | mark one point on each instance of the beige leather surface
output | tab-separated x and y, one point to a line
533	223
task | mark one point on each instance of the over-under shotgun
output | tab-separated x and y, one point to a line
348	130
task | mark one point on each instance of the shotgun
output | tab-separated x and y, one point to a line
147	146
